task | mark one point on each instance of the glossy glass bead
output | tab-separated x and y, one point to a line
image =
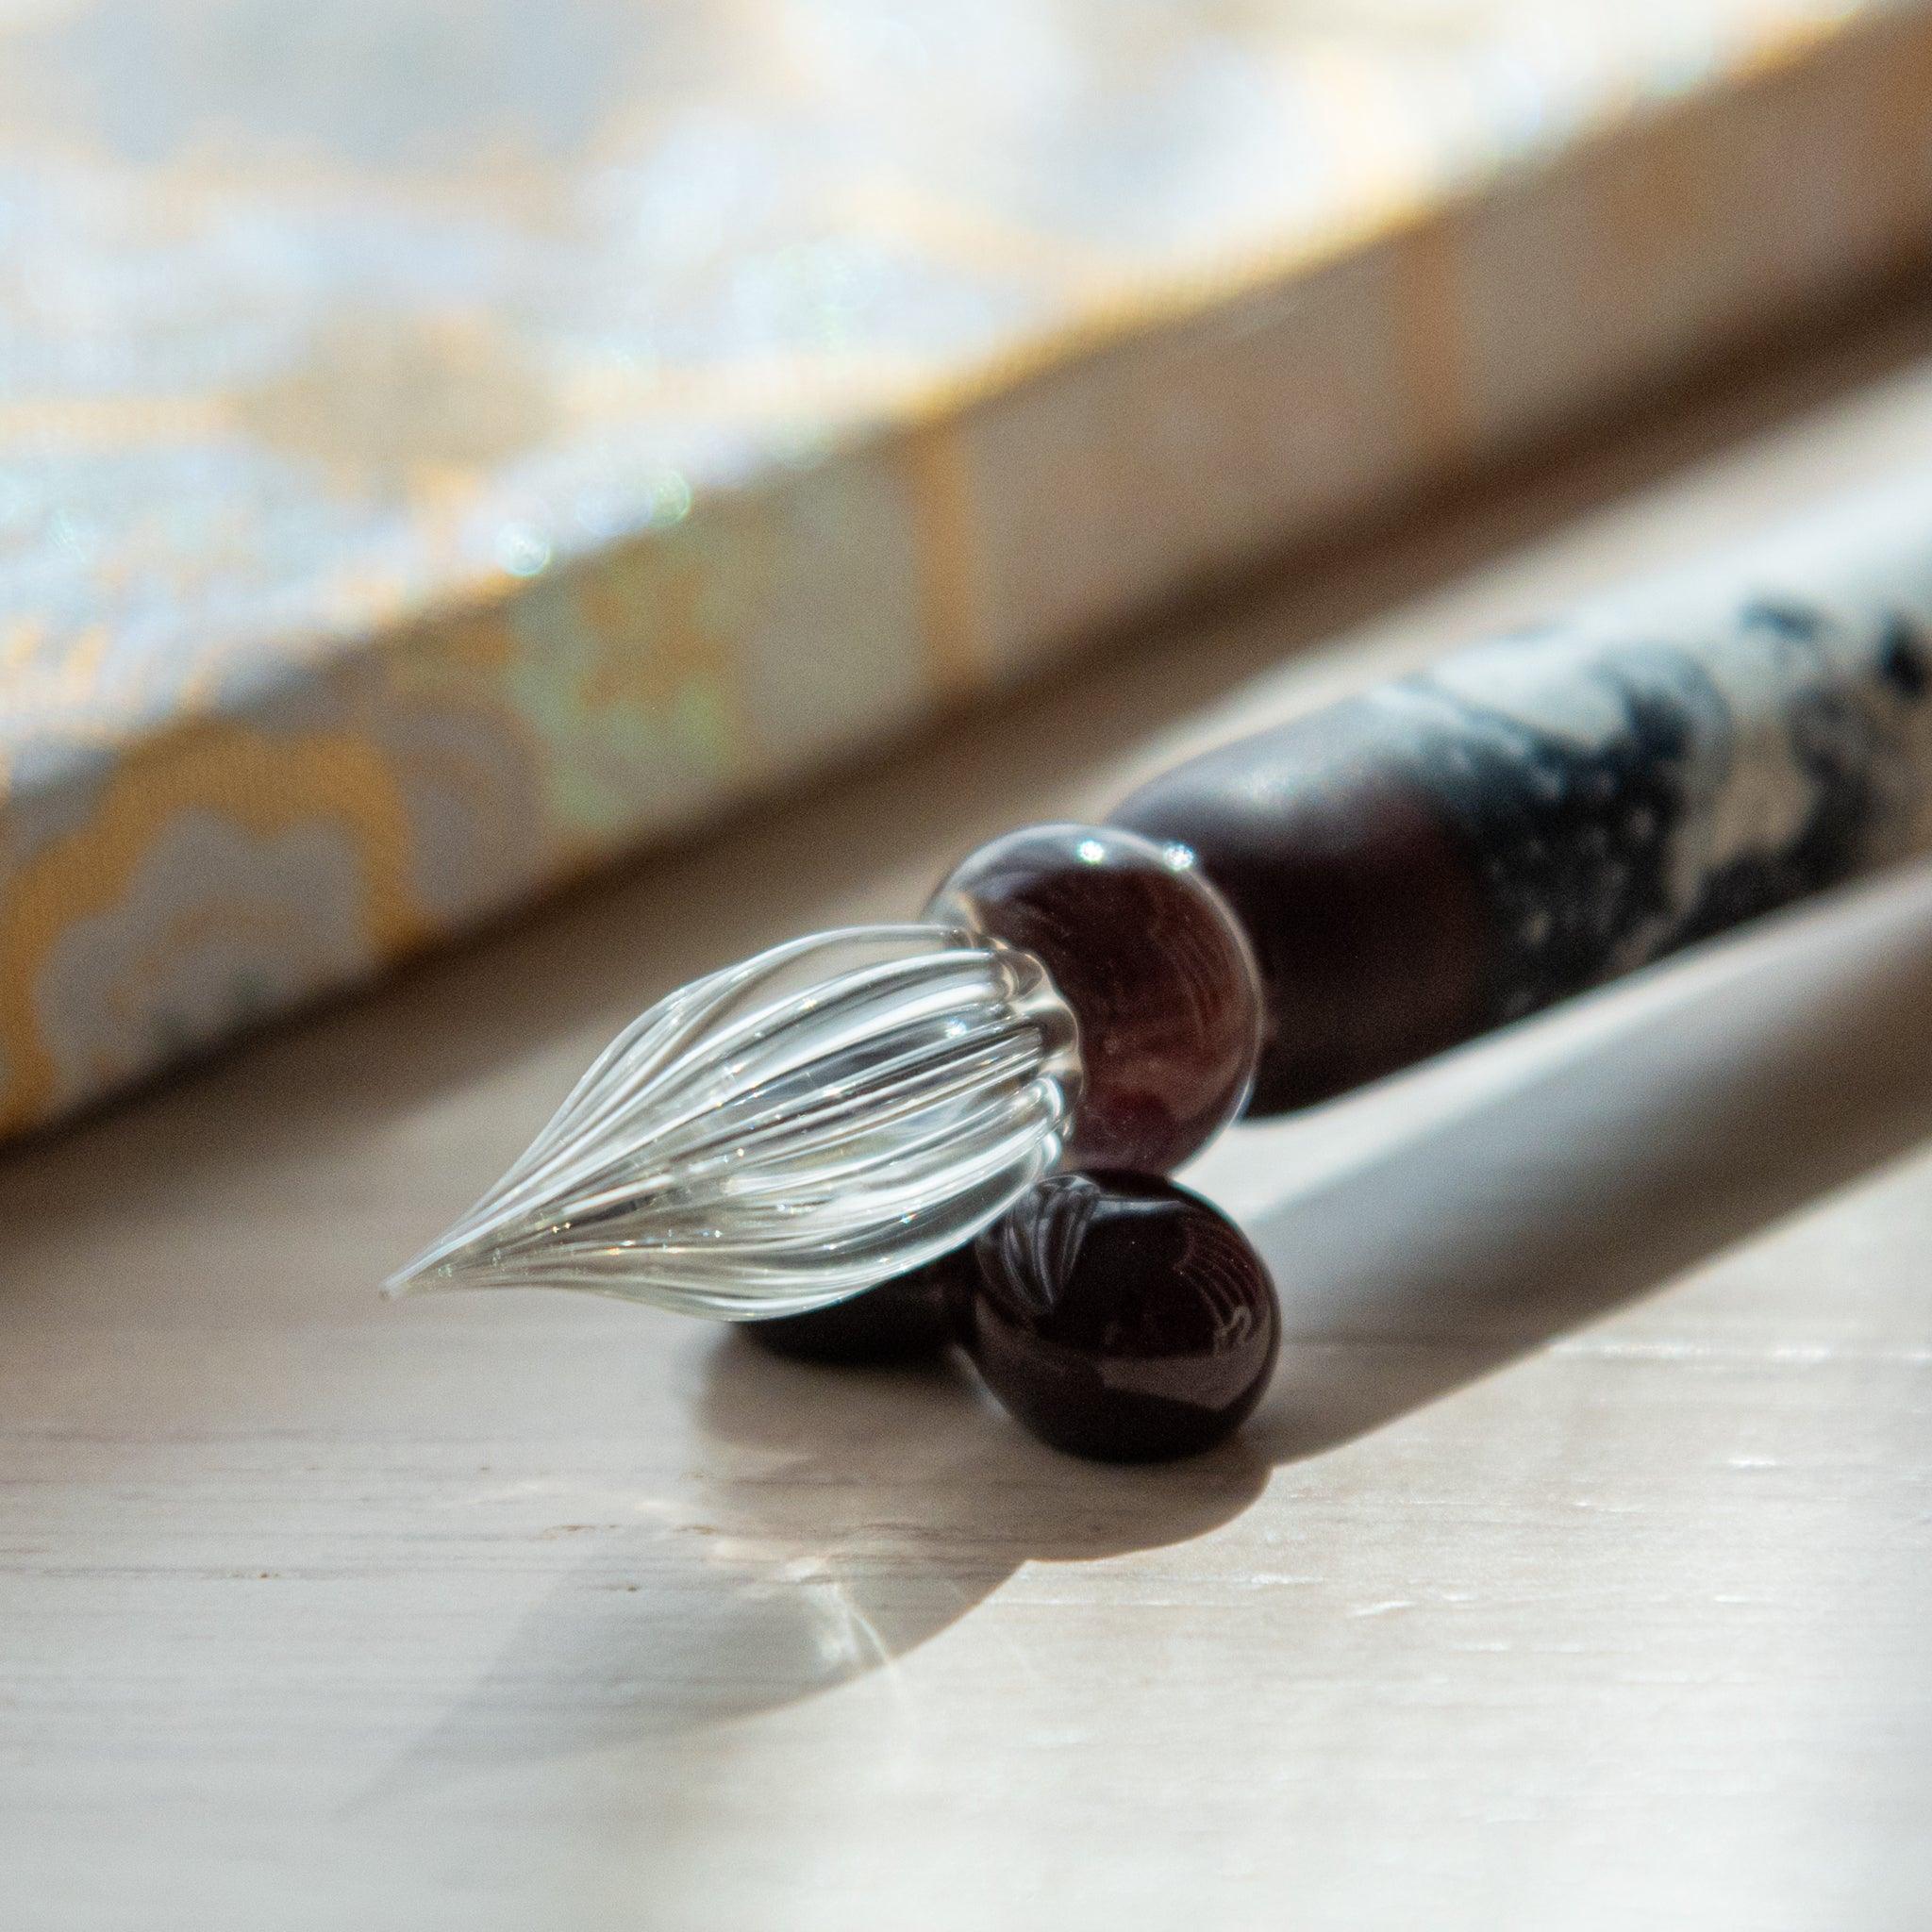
1147	955
904	1320
1120	1317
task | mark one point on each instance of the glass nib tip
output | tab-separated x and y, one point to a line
420	1277
786	1133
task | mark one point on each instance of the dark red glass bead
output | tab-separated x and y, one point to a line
900	1321
1148	955
1121	1317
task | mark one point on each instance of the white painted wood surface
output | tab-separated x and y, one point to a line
1574	1577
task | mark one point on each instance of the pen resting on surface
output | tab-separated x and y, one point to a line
1268	925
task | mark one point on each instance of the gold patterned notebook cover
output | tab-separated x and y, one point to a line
448	441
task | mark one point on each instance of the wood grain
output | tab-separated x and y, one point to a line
1574	1576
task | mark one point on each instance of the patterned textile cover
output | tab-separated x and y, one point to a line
448	441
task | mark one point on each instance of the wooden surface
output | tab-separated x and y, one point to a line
1574	1576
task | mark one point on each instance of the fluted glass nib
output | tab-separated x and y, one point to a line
790	1131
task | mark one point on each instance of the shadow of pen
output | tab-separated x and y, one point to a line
850	1517
835	1523
1782	1066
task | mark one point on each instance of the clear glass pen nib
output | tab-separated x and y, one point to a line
790	1131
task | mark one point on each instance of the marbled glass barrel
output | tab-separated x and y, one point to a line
1449	853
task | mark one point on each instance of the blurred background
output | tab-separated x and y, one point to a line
446	443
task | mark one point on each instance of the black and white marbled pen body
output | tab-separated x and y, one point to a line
1535	816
